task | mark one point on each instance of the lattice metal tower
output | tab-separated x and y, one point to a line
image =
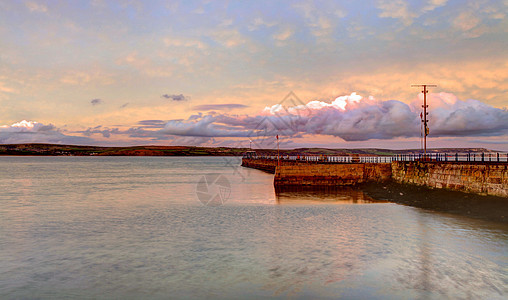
425	113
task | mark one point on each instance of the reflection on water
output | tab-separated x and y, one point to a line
129	227
322	195
363	252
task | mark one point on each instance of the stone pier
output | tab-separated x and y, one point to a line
484	178
473	177
308	174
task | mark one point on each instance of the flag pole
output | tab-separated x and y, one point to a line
278	152
421	131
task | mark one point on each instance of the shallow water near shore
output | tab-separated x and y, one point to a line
138	227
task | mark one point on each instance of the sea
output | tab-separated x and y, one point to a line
207	228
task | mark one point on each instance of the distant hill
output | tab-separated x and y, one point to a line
65	150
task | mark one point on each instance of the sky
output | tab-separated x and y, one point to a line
334	74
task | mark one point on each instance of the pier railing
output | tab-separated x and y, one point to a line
455	157
328	158
431	157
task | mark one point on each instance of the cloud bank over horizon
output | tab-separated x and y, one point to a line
34	132
351	118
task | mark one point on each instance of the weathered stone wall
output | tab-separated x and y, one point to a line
377	171
266	165
473	177
330	174
480	178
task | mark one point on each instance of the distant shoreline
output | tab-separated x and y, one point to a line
36	149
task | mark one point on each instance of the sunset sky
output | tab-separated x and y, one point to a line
333	74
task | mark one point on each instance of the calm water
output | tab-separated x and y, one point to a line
136	227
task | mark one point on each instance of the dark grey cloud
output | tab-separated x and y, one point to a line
468	118
134	132
152	123
180	97
226	106
106	132
124	105
204	127
96	102
490	142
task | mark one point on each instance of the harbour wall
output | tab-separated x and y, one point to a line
472	177
306	174
485	178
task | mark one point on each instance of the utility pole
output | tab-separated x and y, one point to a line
425	113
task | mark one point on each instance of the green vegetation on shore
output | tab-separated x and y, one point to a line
74	150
